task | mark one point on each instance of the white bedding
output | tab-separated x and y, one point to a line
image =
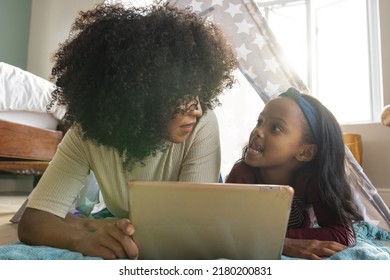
35	119
24	97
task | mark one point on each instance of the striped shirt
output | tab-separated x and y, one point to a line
309	218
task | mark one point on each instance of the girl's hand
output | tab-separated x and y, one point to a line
311	249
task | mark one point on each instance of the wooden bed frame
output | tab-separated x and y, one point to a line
26	150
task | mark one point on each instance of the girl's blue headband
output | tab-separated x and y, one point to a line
307	109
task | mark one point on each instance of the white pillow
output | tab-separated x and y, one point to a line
23	91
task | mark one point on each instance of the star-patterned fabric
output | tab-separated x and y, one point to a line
260	56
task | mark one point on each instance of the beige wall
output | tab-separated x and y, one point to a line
50	25
376	152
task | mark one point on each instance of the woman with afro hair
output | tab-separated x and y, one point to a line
138	85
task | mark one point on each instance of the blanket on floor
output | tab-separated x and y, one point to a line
370	245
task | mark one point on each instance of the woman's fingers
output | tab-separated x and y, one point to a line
125	226
126	246
112	240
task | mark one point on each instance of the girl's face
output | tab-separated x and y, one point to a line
278	136
182	124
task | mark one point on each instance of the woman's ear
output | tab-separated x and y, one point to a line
307	152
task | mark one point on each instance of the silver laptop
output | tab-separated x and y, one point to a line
181	220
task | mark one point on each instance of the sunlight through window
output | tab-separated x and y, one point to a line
331	44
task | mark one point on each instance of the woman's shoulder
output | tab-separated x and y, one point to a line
209	119
206	129
74	139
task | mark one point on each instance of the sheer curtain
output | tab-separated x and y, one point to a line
264	73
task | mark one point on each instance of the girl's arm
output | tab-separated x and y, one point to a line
311	249
331	229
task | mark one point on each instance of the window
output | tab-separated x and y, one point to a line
333	45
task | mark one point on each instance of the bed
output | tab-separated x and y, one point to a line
26	150
30	135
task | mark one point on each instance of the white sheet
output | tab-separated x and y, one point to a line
23	91
35	119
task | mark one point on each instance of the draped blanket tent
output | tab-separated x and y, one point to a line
264	66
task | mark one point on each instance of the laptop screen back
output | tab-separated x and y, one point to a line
180	220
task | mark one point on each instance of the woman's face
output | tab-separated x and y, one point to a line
278	135
183	124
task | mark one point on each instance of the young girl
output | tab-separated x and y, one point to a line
298	142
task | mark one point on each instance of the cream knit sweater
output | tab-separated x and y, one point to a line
197	159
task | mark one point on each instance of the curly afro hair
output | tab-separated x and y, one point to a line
122	73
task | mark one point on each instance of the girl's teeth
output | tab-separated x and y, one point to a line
257	149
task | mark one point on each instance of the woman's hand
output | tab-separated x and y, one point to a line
109	239
311	249
105	238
